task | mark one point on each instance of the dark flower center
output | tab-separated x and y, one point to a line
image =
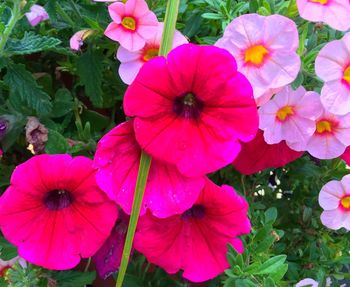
188	106
58	199
197	211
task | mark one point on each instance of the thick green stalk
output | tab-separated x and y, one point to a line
145	161
15	16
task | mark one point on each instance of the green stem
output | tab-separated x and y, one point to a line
145	161
15	16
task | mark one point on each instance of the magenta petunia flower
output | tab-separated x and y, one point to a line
54	211
192	108
133	23
346	156
333	67
257	155
331	137
117	158
290	116
335	13
36	15
334	198
265	50
131	62
188	241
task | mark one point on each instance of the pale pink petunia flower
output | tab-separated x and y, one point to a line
307	282
334	198
290	116
335	13
331	137
265	50
77	40
36	15
333	67
133	23
131	62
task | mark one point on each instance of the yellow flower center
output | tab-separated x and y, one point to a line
255	54
322	2
284	112
150	54
323	126
346	76
345	202
129	23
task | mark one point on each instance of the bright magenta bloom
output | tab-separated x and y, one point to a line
133	23
54	211
334	198
265	50
335	13
117	158
346	156
333	67
192	108
257	155
196	241
290	116
131	62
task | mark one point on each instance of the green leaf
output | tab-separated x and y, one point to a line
7	251
63	103
56	143
268	282
253	6
89	68
24	89
30	43
270	265
279	272
73	278
270	215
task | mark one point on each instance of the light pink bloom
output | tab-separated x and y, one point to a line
307	282
331	137
265	50
335	13
290	116
131	62
133	23
36	14
117	158
333	66
334	198
77	40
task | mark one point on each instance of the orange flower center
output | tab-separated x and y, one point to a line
323	126
284	113
345	202
129	23
346	76
150	54
255	54
322	2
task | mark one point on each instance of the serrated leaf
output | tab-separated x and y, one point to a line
23	87
62	104
89	68
31	43
73	278
56	143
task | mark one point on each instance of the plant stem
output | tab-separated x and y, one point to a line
15	16
145	161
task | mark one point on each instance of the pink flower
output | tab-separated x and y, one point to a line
133	23
331	137
257	155
333	66
290	116
307	282
335	13
346	156
196	241
117	158
131	62
192	108
77	40
54	211
265	50
36	14
334	198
